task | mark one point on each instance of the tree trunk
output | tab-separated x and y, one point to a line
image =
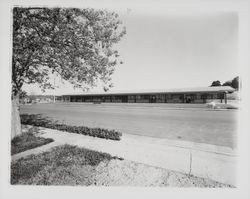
15	118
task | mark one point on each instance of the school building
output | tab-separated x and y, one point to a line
185	95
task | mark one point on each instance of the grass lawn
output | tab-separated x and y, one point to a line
63	165
27	141
71	165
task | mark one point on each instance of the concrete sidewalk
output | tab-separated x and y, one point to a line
202	160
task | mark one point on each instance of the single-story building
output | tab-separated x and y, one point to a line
184	95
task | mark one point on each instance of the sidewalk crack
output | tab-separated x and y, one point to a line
190	165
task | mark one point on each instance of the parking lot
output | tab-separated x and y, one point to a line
189	122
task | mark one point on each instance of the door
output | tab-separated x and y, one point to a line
152	99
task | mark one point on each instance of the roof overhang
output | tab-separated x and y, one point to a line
218	89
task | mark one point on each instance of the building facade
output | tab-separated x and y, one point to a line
187	95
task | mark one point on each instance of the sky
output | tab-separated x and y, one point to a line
171	50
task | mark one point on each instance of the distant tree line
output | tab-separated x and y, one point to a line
234	83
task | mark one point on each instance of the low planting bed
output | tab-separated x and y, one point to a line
37	120
27	141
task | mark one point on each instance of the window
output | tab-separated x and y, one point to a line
145	97
66	98
138	97
161	97
168	96
131	97
176	97
198	96
209	96
220	96
204	96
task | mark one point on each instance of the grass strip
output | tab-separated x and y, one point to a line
63	165
27	141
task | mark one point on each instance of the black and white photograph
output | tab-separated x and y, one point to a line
139	95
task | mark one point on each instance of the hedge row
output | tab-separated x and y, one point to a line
95	132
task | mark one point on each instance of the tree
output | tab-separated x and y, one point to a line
23	94
216	83
227	83
235	83
76	44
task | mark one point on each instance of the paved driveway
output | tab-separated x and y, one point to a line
179	122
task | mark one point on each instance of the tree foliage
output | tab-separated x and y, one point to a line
76	44
216	83
23	94
234	83
227	83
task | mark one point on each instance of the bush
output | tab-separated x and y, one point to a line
35	120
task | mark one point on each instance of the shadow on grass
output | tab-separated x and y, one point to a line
63	165
27	141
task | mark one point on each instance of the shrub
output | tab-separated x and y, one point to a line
35	120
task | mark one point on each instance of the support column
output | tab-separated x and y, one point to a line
225	97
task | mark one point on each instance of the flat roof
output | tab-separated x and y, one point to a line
158	91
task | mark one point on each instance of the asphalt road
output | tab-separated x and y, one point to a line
180	122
